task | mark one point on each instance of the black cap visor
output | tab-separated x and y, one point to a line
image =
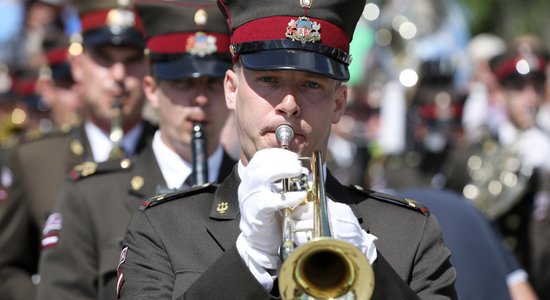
114	36
191	66
293	59
61	71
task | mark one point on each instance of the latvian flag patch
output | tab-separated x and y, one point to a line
50	233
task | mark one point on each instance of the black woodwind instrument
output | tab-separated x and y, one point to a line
200	154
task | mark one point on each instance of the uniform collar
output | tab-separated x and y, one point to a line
101	145
226	202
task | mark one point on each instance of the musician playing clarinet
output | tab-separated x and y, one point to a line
188	54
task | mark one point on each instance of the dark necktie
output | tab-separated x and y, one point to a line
189	182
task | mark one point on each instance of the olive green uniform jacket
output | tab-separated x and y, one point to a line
95	211
182	245
38	169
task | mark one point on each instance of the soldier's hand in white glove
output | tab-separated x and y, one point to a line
261	202
343	224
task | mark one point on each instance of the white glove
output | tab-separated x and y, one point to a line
343	224
260	203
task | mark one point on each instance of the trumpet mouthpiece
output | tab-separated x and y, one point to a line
284	134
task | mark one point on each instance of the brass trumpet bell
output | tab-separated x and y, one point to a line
326	268
323	268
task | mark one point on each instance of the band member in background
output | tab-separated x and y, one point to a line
222	241
111	65
188	47
56	85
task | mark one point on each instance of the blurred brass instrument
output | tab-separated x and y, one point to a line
117	131
498	180
200	155
323	268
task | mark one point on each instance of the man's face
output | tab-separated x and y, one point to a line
263	100
105	73
65	105
523	99
180	103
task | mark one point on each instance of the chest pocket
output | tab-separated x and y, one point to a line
184	279
108	262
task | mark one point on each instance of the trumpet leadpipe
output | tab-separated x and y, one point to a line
284	135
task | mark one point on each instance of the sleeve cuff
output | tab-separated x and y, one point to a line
264	277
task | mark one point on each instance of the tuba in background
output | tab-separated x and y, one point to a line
324	267
498	181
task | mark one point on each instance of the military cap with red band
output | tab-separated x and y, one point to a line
305	35
521	63
109	22
185	39
56	49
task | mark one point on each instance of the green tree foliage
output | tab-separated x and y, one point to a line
510	18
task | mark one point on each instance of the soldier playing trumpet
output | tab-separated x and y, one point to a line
222	241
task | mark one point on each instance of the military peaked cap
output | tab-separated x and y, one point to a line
56	48
109	22
185	39
523	61
304	35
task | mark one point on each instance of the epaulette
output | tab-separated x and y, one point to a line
163	198
36	135
89	168
32	135
399	201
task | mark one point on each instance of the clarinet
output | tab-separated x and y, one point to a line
117	132
200	155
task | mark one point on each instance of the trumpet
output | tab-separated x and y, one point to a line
200	155
324	267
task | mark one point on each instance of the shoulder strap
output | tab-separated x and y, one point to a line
163	198
399	201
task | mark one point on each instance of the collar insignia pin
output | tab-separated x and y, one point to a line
77	148
137	182
222	207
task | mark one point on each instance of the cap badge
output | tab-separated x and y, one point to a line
201	44
124	3
303	30
118	19
201	17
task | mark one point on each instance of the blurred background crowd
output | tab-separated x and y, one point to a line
445	94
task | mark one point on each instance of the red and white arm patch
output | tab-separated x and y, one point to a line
120	273
52	228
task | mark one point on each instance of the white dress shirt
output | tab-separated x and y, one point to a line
101	144
175	170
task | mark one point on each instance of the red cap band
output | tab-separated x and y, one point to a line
97	19
274	28
57	56
24	87
182	42
509	66
434	112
